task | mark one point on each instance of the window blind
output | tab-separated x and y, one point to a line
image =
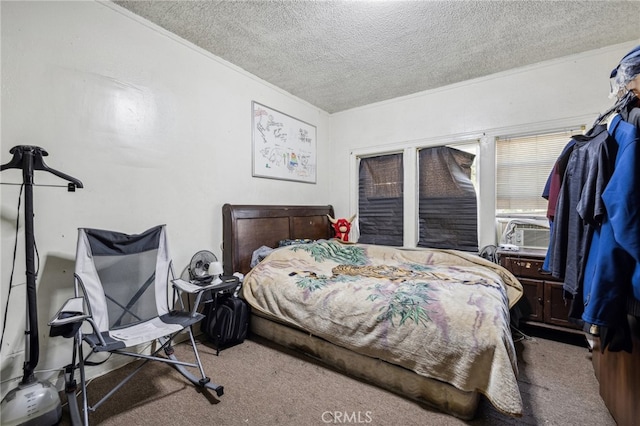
447	210
381	200
523	165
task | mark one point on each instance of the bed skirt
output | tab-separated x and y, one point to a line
433	393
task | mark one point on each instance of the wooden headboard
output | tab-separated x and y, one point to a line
246	228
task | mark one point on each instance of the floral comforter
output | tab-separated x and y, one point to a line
443	314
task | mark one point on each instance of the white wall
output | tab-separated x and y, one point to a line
157	130
160	132
566	92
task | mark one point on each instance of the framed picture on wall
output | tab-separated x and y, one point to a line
283	146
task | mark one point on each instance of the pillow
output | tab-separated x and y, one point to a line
284	243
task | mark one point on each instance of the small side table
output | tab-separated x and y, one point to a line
226	284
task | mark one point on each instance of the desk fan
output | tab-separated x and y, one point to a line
204	267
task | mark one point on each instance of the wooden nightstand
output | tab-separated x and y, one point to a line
543	302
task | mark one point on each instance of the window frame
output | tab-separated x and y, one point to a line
487	222
409	152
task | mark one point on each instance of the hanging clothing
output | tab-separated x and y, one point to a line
551	190
612	270
631	114
587	173
551	193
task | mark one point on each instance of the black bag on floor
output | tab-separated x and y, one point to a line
226	322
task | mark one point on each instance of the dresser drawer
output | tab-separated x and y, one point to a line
522	266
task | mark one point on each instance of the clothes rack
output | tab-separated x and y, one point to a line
29	159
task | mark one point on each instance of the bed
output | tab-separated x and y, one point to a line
431	325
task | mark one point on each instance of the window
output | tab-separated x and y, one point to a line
449	192
447	206
381	200
523	165
440	208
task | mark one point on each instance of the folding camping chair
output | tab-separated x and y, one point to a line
124	288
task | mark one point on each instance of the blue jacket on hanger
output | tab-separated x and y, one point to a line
612	270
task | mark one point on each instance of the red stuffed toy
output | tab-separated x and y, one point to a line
341	227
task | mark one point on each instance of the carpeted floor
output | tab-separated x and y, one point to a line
268	385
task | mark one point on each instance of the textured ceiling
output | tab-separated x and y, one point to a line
344	54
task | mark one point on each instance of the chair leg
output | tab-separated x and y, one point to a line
71	387
203	381
78	417
197	355
74	411
83	383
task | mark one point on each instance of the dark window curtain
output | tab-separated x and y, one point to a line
380	200
447	204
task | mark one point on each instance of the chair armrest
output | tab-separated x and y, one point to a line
71	312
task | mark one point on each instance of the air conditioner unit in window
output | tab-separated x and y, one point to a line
531	238
526	233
